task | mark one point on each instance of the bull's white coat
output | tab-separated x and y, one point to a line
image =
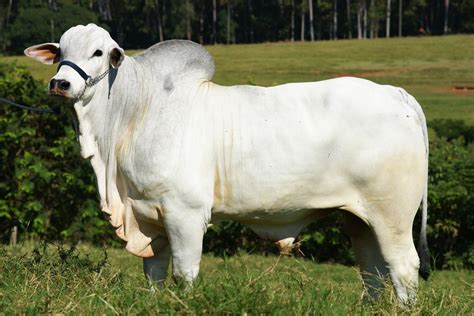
173	151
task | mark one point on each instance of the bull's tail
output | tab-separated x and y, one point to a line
423	250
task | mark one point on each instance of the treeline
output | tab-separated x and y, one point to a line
48	192
140	23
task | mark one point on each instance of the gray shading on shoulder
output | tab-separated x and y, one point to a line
173	60
168	84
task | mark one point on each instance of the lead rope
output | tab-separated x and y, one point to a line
24	107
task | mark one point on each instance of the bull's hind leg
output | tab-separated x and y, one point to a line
397	247
390	204
373	267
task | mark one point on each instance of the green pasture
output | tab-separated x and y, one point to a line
428	67
86	282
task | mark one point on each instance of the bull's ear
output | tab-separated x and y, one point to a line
47	53
116	56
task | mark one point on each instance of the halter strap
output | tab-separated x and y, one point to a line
88	79
78	69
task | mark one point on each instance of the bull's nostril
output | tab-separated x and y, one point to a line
52	84
64	85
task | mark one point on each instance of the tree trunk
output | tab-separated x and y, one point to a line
364	30
158	19
214	21
14	236
311	26
446	11
163	15
400	18
104	10
201	28
9	10
188	20
52	30
228	22
359	20
334	19
302	22
349	23
387	24
372	19
249	4
292	27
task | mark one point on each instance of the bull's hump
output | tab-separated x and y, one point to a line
179	57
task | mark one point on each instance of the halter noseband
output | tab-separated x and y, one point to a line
88	79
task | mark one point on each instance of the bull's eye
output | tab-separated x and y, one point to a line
97	53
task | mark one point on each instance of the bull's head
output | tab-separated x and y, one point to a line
85	55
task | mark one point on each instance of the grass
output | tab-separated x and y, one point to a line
427	67
85	281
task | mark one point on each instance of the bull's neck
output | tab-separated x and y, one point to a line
115	100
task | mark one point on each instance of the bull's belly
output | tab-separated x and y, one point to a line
278	210
268	216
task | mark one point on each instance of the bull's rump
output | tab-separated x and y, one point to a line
299	147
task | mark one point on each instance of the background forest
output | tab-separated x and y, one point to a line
140	23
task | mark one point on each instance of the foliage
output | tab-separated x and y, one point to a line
56	280
38	24
46	189
451	202
453	129
136	24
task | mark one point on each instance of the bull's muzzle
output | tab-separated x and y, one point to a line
58	87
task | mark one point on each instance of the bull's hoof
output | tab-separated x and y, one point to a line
286	246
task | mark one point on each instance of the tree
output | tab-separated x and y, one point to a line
387	25
292	23
311	24
5	16
35	25
372	28
361	19
334	20
189	12
158	20
104	10
446	11
400	18
349	23
302	20
229	9
251	20
214	22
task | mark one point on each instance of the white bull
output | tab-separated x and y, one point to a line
172	151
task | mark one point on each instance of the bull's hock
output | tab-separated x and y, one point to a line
173	152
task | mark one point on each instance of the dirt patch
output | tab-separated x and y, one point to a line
467	90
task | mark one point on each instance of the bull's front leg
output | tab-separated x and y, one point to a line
156	267
186	227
